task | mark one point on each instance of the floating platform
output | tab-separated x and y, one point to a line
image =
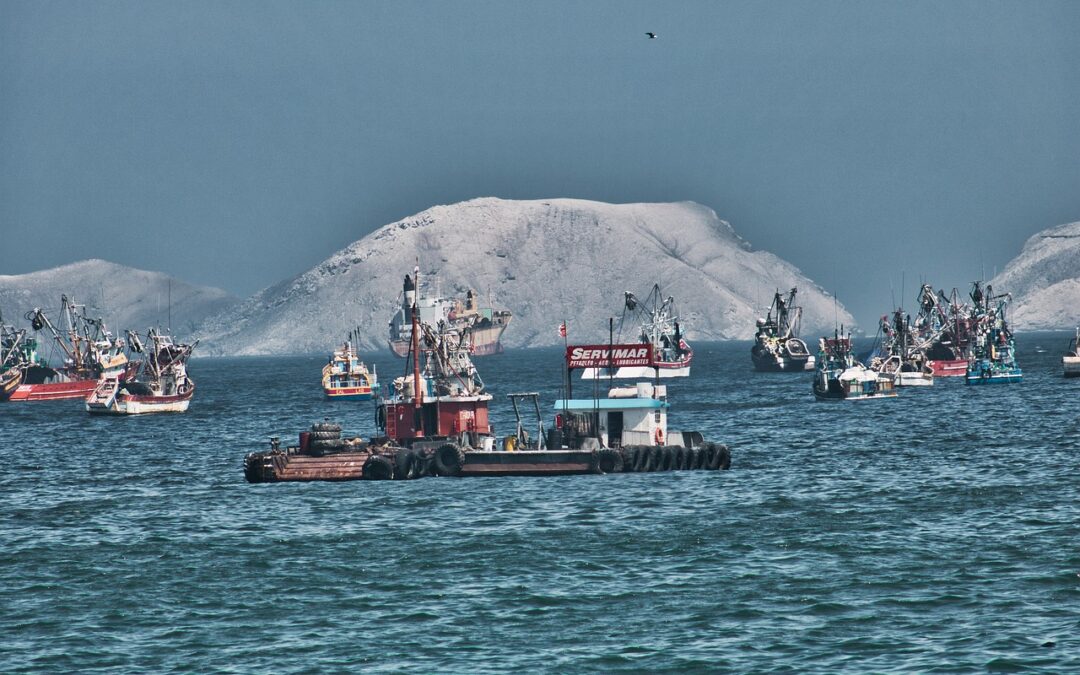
393	463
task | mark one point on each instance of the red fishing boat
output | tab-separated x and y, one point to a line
88	352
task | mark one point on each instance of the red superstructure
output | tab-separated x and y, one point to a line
442	399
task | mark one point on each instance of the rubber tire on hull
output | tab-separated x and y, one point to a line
664	458
378	467
691	459
448	460
708	451
322	447
253	467
680	459
607	460
406	465
724	453
716	456
325	435
326	426
644	456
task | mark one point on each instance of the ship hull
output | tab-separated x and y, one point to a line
1005	377
482	341
949	367
9	382
127	404
348	394
773	363
53	391
1070	365
636	372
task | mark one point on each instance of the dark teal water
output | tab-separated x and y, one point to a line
937	532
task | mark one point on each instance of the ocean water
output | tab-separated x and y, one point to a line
935	532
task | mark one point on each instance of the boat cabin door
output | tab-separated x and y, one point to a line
614	428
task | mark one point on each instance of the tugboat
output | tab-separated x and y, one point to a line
480	327
346	378
1070	362
840	377
90	353
901	356
994	357
777	345
164	385
659	327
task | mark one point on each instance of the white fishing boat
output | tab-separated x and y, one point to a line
162	386
659	327
1070	362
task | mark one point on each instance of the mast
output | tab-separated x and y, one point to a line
418	397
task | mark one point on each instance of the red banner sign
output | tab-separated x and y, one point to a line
602	356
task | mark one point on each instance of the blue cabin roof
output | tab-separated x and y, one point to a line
589	404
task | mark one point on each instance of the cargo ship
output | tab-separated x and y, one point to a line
480	327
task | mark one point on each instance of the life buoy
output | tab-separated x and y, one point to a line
658	437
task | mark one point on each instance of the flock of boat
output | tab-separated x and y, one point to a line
88	362
145	373
434	418
946	338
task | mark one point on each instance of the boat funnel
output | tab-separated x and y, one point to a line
410	293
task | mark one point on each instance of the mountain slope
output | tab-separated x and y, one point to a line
125	297
1044	280
546	260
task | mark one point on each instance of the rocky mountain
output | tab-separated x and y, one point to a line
546	260
1044	280
125	297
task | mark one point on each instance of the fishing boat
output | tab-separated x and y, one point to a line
944	327
901	355
162	386
480	327
839	376
346	378
994	356
11	358
777	345
1070	362
656	321
89	352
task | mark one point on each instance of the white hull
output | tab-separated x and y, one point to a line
914	379
136	407
634	373
1071	366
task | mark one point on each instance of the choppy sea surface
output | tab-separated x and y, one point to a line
935	532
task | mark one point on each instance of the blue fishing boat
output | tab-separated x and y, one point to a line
994	357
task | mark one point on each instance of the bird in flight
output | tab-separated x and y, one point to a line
652	36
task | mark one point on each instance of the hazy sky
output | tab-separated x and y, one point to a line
236	143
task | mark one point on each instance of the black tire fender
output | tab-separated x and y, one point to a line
406	465
378	467
607	460
448	460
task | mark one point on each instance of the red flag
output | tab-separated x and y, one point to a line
562	329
